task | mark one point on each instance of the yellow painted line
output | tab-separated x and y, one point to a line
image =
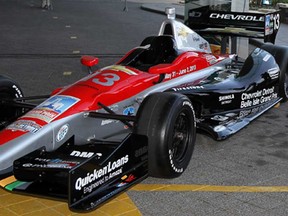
122	203
208	188
188	187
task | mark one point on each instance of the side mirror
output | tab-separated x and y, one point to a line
89	61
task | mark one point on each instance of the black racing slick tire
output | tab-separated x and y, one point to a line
168	120
280	54
9	90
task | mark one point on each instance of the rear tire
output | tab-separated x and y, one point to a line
168	120
9	90
280	54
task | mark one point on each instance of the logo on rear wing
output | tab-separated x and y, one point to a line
252	25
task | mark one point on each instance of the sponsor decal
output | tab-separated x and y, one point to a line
220	118
108	121
129	111
25	126
141	151
237	17
62	132
258	97
114	108
101	175
186	70
211	59
219	128
181	72
272	22
126	180
187	88
196	38
226	99
52	108
204	46
182	32
268	28
244	113
195	14
273	73
267	57
84	154
51	163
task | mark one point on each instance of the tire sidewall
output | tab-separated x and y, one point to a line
161	113
9	90
178	167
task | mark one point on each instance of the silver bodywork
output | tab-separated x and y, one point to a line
84	129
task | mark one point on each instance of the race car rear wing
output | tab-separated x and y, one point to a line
239	24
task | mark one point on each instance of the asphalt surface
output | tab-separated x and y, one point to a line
40	49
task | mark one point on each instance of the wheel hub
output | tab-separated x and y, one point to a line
180	137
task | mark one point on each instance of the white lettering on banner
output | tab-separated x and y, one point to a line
187	88
90	188
256	98
226	97
100	176
25	125
236	17
183	71
83	154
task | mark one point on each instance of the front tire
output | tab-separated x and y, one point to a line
168	120
9	90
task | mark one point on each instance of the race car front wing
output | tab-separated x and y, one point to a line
85	176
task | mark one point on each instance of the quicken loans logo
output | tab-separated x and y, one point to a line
98	173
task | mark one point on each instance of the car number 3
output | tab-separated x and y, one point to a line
107	79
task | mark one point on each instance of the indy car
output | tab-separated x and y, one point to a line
88	141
